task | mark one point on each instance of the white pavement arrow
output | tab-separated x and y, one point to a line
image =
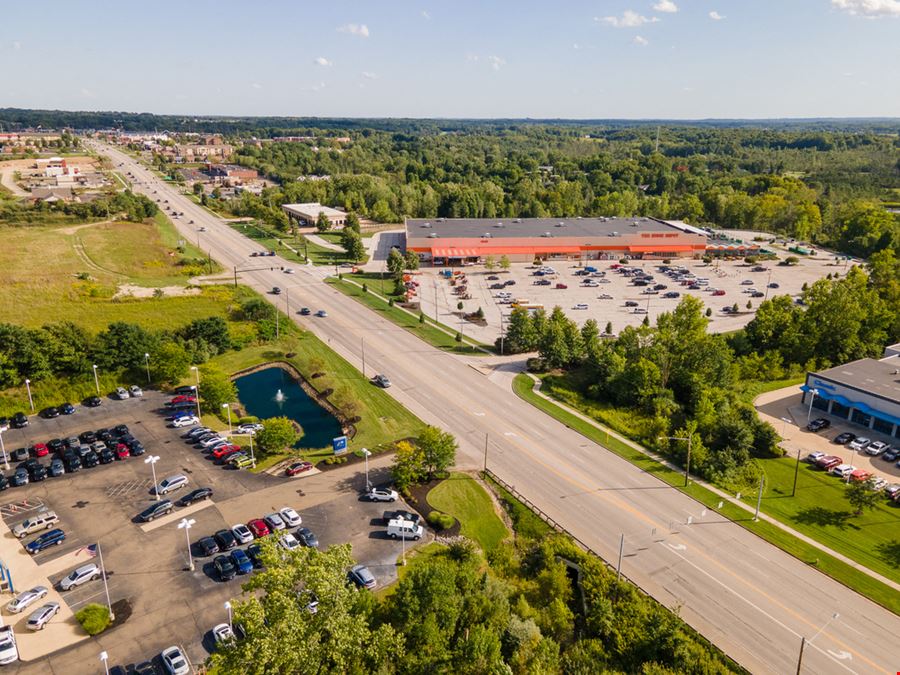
843	656
677	547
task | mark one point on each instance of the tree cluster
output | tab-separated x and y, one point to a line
432	453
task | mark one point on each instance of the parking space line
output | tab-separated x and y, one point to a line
176	515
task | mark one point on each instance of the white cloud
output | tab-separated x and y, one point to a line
358	29
869	8
715	16
665	6
322	61
16	45
316	87
256	85
471	57
638	40
496	62
425	15
87	93
629	19
369	76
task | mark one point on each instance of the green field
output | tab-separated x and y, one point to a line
842	572
464	499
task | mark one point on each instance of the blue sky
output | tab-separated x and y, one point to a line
468	58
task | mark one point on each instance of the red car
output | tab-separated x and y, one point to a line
40	450
122	451
183	399
828	462
298	468
259	528
561	286
719	292
224	451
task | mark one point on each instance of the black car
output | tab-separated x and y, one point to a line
844	438
307	537
156	510
57	468
120	430
20	454
87	437
773	285
208	546
20	477
631	303
224	567
37	473
305	311
4	422
72	461
510	282
145	668
4	482
184	391
225	539
818	424
402	515
90	459
93	402
890	454
196	496
136	448
56	445
50	413
67	409
107	456
19	420
494	277
104	435
254	552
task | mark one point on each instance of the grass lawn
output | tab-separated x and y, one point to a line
464	499
414	557
426	331
842	572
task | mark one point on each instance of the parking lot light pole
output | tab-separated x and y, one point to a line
112	616
228	408
152	460
28	387
197	392
814	393
687	465
96	380
3	450
804	641
104	657
230	622
186	524
366	453
147	361
785	421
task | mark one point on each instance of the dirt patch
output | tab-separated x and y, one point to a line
132	291
73	229
122	610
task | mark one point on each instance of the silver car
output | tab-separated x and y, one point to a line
26	598
242	533
175	661
80	575
171	483
42	615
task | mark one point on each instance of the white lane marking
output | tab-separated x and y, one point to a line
677	547
477	414
841	655
509	433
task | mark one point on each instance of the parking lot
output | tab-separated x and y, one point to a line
606	301
146	563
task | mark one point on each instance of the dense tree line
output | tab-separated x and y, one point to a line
126	204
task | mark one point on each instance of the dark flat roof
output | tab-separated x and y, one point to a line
532	227
878	377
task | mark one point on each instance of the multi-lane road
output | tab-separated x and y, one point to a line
749	598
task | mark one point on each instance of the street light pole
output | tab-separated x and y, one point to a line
186	524
814	392
3	450
362	343
228	607
147	361
152	460
112	616
197	392
96	380
104	657
30	400
366	454
228	408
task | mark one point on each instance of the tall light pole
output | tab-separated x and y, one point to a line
28	387
152	460
814	392
228	607
804	641
785	422
96	380
104	657
112	616
197	392
147	361
3	450
687	465
186	524
366	453
228	408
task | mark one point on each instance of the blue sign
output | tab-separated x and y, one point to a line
339	445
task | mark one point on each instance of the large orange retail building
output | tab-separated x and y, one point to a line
449	241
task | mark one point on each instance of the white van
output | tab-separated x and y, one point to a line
42	521
404	529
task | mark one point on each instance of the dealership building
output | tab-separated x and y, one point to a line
865	393
452	241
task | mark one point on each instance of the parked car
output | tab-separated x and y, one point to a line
859	443
19	478
185	421
222	633
67	409
19	420
844	438
80	575
254	552
156	510
361	576
93	401
307	537
814	457
382	381
175	661
297	468
42	615
50	413
860	475
207	546
198	495
171	484
876	448
224	567
818	424
828	462
275	522
240	560
135	391
46	540
241	461
26	598
632	303
20	454
259	528
842	470
42	521
580	305
225	539
404	529
57	468
381	495
225	451
288	542
891	454
122	393
290	517
242	533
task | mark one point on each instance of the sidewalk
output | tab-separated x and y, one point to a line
718	492
318	241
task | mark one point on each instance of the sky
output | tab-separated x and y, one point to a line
672	59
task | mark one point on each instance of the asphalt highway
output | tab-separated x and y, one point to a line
746	596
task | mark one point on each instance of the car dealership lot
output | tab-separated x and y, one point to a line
146	563
724	275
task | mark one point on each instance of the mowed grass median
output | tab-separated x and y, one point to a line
463	498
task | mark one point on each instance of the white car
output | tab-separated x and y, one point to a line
222	633
42	615
175	661
26	598
185	421
211	441
80	575
879	484
135	391
242	533
580	305
289	516
171	483
382	495
288	542
814	457
843	470
288	270
859	443
9	652
122	393
247	429
876	448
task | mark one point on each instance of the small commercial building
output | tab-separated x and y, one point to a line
865	393
448	241
308	214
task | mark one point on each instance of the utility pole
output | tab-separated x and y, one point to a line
235	276
362	343
485	450
276	323
758	500
621	550
796	471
